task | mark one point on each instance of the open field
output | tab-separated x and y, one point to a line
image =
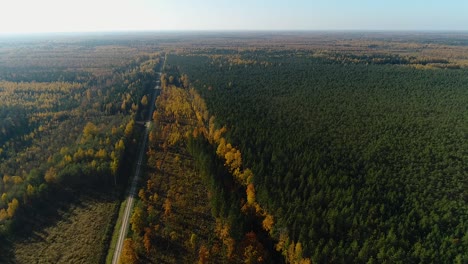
77	234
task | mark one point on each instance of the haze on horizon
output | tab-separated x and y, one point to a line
32	16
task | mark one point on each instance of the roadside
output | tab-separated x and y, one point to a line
123	221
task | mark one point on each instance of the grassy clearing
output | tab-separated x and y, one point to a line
78	236
115	234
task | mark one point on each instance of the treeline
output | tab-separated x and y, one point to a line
387	59
418	62
359	163
38	74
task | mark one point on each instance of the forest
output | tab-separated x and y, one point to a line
66	137
289	147
359	162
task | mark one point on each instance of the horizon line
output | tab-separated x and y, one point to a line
226	30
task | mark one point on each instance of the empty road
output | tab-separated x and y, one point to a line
133	187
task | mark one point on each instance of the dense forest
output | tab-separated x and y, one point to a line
358	161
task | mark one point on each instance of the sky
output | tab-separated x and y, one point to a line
37	16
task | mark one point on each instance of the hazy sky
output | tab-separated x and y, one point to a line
20	16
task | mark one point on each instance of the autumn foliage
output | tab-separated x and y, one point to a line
128	255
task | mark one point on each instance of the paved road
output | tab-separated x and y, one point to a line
133	188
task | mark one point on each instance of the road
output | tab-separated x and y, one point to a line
133	187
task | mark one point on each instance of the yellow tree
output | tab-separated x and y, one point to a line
90	130
134	107
250	194
120	146
50	175
12	206
101	154
268	222
137	220
129	128
221	150
123	106
30	190
144	100
3	214
129	255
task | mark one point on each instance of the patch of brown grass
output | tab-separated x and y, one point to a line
77	237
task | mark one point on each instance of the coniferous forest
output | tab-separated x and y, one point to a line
358	161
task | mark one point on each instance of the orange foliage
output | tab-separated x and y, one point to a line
150	185
155	116
159	164
147	239
251	249
195	133
167	207
218	133
129	255
203	255
152	137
